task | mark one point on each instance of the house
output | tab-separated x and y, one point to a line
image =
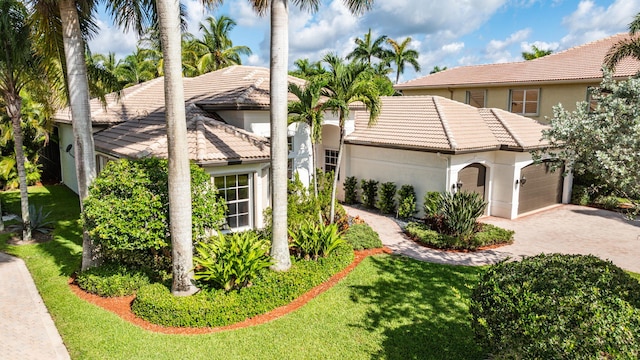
438	144
431	142
529	88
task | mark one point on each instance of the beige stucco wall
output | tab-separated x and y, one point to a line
498	97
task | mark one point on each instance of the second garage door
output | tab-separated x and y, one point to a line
539	187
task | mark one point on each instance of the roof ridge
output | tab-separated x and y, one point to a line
507	128
445	123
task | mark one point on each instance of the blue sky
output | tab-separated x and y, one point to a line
445	33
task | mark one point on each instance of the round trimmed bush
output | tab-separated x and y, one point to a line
126	212
362	236
109	280
557	307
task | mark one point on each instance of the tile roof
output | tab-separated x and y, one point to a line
436	124
234	87
210	141
580	63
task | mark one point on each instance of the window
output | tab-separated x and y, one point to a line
476	98
290	144
290	172
330	160
290	169
524	102
236	190
591	102
101	162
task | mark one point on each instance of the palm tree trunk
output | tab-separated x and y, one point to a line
80	114
278	91
179	174
313	164
335	175
13	110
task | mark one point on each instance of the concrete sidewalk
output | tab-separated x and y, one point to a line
567	229
26	328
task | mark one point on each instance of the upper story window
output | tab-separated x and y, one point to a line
476	98
524	101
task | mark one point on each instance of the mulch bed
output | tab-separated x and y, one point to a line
121	306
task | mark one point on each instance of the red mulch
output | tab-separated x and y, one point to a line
121	306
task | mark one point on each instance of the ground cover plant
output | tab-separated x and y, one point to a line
361	237
558	307
451	222
379	311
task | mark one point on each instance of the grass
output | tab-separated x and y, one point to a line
388	308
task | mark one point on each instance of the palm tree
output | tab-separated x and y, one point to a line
306	69
629	47
278	100
401	55
18	66
366	49
346	84
437	69
310	111
136	68
535	53
216	48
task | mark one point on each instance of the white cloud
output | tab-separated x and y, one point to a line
590	22
542	45
112	39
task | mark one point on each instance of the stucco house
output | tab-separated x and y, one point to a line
431	142
529	88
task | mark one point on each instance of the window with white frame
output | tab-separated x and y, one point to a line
290	172
330	160
476	98
101	162
236	190
524	101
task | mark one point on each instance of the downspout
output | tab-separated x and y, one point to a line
450	93
447	176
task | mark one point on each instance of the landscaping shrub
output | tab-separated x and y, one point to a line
369	191
350	190
557	307
362	237
609	202
487	234
386	198
492	235
460	212
312	240
110	280
580	195
126	212
431	203
212	308
406	202
231	261
424	234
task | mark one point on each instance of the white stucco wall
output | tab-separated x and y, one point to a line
67	159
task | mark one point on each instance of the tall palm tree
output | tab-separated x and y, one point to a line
629	47
137	67
18	66
401	55
216	48
308	109
346	84
306	69
278	100
366	49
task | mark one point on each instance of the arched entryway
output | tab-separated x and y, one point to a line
539	187
473	178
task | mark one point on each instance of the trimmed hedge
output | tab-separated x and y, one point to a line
110	280
557	307
487	235
362	236
215	308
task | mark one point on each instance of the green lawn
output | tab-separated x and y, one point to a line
388	308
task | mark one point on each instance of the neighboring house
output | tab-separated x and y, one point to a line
437	144
530	88
228	123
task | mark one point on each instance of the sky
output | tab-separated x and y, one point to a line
445	33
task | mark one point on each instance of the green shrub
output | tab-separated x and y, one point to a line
609	202
350	190
126	212
369	191
492	235
386	198
423	234
406	202
460	212
580	195
212	308
431	203
231	261
487	235
312	240
557	307
109	280
362	236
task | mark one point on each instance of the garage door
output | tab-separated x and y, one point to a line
473	178
539	187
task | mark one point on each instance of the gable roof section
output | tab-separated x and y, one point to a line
580	63
233	88
210	141
436	124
